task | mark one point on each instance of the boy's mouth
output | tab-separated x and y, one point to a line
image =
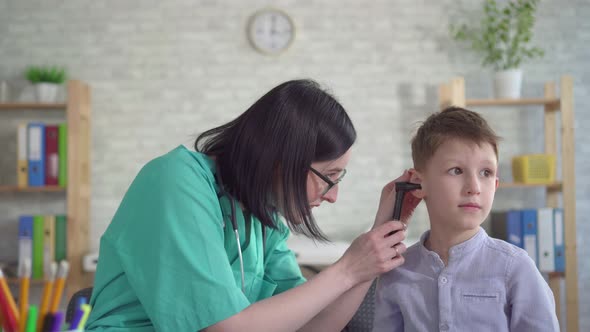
470	205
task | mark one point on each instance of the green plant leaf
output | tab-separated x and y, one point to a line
45	74
503	35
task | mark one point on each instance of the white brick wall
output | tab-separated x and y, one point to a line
163	71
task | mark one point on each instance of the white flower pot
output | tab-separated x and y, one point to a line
508	83
46	92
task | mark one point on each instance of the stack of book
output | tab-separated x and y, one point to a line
538	231
41	155
41	240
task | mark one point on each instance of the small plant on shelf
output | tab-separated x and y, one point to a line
46	80
503	39
55	75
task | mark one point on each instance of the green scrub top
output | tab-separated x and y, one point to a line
169	260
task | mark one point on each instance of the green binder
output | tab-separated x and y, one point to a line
60	238
38	230
62	152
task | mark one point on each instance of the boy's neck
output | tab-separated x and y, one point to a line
441	241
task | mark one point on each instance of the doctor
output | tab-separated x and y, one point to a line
199	240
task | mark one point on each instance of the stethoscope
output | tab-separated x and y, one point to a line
234	223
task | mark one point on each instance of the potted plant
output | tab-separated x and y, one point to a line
503	38
46	81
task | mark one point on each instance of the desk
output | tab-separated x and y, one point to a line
321	254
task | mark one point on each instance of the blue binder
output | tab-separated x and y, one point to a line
36	154
514	228
529	234
559	240
25	239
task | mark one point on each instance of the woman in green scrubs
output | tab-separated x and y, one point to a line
170	260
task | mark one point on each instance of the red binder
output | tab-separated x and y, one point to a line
51	155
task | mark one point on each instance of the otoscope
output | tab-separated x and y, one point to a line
401	188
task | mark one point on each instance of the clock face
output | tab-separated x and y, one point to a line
271	31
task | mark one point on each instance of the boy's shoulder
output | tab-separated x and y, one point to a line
503	248
414	261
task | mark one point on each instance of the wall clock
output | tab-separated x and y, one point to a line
271	31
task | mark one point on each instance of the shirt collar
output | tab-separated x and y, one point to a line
460	249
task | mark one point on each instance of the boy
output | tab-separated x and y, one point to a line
457	278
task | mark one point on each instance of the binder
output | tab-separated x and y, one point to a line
514	228
559	239
51	155
36	153
498	225
545	240
25	239
48	242
62	151
37	262
529	233
22	164
60	238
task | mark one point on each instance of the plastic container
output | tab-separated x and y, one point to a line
534	168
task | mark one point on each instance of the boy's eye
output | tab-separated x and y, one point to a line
455	171
487	173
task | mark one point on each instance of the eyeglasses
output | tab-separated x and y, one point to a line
330	182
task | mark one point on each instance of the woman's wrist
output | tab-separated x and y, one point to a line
341	274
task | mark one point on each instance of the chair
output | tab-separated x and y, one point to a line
73	303
362	321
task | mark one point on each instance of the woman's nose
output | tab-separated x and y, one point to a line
332	195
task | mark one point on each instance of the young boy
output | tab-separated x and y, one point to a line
457	278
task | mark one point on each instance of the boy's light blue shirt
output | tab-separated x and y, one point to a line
488	285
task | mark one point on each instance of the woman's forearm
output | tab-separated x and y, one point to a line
338	314
291	310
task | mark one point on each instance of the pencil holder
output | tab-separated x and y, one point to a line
534	168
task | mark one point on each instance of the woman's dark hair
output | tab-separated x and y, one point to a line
269	149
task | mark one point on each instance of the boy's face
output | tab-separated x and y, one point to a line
458	184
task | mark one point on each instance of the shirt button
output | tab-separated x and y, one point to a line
443	280
444	327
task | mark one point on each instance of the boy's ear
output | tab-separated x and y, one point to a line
416	177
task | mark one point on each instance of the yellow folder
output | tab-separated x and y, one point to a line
48	243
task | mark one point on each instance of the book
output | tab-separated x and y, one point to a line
51	155
559	240
37	261
25	239
48	243
546	240
60	237
36	154
62	151
529	234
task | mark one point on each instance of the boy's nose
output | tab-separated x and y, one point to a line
473	186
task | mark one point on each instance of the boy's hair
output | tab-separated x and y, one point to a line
450	123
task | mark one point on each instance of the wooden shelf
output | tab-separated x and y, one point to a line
550	102
32	189
77	112
31	106
557	186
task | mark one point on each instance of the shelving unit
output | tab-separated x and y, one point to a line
453	93
77	115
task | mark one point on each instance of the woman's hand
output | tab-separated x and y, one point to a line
387	202
373	253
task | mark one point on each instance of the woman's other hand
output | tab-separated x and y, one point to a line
373	253
387	202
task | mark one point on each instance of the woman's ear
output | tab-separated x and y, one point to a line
416	177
